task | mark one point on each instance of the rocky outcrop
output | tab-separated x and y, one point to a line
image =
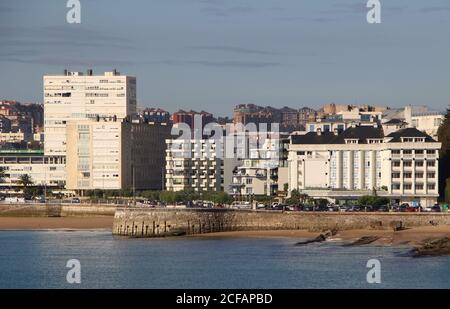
320	238
365	240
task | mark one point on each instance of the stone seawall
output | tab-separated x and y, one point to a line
55	210
173	222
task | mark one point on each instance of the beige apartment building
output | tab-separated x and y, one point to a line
402	165
110	154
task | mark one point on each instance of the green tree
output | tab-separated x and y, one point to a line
222	198
373	200
167	197
26	182
444	156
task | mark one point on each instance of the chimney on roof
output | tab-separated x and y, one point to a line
319	131
89	72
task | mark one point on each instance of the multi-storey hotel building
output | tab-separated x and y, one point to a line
361	160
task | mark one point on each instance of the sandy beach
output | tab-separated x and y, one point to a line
46	223
412	236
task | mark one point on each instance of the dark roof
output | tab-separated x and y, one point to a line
395	121
409	132
313	138
362	133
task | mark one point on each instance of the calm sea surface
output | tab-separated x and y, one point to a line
37	259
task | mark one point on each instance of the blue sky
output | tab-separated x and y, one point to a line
214	54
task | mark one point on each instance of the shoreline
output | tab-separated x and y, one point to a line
410	236
56	223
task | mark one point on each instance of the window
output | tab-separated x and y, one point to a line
351	141
431	163
431	151
407	163
396	151
407	186
407	175
326	128
396	163
419	151
311	128
396	186
419	163
300	153
419	186
395	175
419	175
407	152
431	175
407	139
431	186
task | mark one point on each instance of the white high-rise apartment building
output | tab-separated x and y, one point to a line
78	96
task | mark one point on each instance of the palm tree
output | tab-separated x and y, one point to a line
25	180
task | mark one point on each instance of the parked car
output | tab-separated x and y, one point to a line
281	207
344	208
308	208
261	206
354	208
436	208
382	208
333	208
321	208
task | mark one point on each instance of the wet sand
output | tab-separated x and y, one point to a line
46	223
412	236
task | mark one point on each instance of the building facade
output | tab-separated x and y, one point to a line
78	96
264	171
402	166
194	165
43	170
114	155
